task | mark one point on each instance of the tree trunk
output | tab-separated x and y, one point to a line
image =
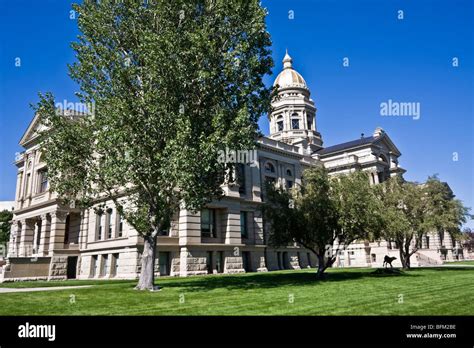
321	266
404	259
147	274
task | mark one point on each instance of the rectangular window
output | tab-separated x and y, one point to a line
208	222
120	225
279	126
105	265
220	262
27	184
241	177
279	260
43	180
38	234
246	261
427	238
100	225
20	185
310	123
94	266
109	223
114	267
209	263
374	258
295	124
244	224
164	263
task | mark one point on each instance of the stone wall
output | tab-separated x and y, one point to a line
25	269
233	264
192	262
58	268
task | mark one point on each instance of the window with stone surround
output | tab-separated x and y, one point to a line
269	167
42	180
114	266
244	224
120	223
310	122
100	222
109	223
27	184
208	223
105	265
94	264
279	126
240	169
295	123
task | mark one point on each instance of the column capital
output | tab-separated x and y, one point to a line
58	214
43	216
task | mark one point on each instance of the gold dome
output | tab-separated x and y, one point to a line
289	77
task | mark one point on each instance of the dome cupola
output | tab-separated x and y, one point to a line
289	77
293	115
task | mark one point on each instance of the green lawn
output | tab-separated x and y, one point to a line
465	262
430	291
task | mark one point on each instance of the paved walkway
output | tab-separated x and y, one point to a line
50	288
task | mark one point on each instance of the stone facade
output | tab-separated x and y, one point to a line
52	241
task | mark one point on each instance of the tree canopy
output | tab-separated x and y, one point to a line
412	210
323	212
168	84
326	214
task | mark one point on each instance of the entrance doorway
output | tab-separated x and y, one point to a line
246	261
286	261
71	267
164	262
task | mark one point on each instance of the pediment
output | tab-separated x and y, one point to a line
32	131
387	144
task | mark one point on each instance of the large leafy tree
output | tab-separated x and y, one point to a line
411	210
172	83
324	214
5	223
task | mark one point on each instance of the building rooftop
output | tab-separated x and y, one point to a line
347	145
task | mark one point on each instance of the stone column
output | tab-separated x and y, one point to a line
36	229
58	230
232	233
26	241
19	179
44	239
12	240
191	262
376	177
33	178
233	262
84	228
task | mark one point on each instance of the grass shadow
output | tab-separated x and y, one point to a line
266	280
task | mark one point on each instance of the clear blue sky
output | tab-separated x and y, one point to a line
407	60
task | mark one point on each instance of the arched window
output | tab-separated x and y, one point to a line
289	173
280	126
270	168
295	123
310	122
279	123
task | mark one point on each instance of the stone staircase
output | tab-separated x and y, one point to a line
428	258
